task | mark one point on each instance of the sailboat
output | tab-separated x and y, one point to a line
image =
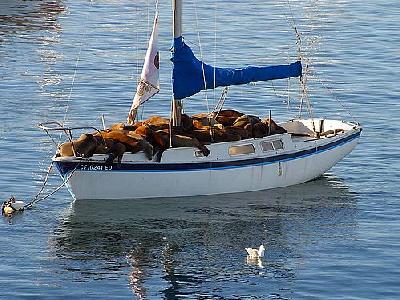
304	151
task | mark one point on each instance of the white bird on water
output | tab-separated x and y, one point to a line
255	253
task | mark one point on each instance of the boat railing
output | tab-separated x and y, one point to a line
53	126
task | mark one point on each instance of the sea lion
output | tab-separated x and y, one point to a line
151	136
84	146
203	119
146	147
203	136
227	117
243	120
215	136
243	133
116	150
157	122
122	137
225	121
221	135
230	113
186	123
273	128
132	141
183	141
111	147
124	127
259	130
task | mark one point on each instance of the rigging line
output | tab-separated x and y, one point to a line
201	55
73	79
137	47
65	181
215	49
330	91
301	57
148	17
288	93
288	85
46	178
75	69
292	22
203	71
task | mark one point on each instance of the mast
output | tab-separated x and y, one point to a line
177	19
177	32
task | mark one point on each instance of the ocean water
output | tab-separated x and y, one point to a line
337	237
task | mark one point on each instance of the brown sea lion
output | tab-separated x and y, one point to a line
124	127
183	141
217	135
230	113
111	147
157	122
198	124
122	137
116	151
151	136
203	136
66	149
84	146
259	130
221	135
243	133
199	116
144	144
243	120
225	121
273	128
186	123
227	117
133	143
203	119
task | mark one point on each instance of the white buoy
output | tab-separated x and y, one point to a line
255	253
18	205
11	206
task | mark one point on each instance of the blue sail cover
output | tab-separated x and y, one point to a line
187	75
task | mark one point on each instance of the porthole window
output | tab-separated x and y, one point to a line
271	146
242	149
267	146
278	144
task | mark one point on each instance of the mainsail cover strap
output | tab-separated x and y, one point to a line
188	77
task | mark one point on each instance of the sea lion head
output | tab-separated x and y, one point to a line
187	123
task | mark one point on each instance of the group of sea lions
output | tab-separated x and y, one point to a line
152	135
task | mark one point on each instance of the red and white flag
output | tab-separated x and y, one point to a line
148	84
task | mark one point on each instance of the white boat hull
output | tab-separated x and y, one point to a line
298	162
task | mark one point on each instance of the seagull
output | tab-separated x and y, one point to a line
255	253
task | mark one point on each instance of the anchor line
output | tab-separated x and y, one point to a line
49	169
36	199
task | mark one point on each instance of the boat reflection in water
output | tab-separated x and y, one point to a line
195	245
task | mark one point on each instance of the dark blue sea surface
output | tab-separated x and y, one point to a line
337	237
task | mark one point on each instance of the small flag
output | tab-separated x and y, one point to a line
148	84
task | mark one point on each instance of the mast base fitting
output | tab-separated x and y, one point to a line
11	206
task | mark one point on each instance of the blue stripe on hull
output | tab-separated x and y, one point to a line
66	167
